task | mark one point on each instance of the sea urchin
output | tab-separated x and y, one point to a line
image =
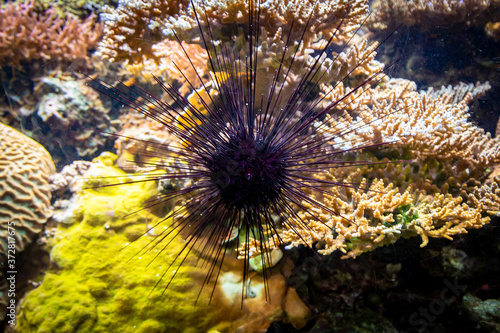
252	147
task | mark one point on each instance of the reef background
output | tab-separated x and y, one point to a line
395	288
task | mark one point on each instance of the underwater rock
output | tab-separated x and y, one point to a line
25	196
484	312
98	284
72	116
391	13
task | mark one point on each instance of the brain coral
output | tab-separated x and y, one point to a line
24	188
24	191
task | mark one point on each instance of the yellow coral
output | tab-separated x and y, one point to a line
443	216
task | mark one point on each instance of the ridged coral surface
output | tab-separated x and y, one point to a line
426	171
25	167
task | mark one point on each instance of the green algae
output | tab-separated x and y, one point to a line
97	285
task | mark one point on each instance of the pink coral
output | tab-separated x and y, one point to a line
27	35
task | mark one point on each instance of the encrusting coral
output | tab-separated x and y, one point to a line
25	167
93	286
26	35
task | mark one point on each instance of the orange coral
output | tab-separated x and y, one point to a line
168	62
26	35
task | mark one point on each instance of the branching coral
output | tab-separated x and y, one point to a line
95	288
141	40
26	35
487	197
448	157
132	28
169	60
432	124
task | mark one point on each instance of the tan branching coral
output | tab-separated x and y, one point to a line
471	12
364	219
448	158
432	123
323	17
135	25
168	63
371	216
26	35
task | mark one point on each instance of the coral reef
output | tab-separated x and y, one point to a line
94	286
168	61
24	194
446	156
434	176
80	8
138	138
27	35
